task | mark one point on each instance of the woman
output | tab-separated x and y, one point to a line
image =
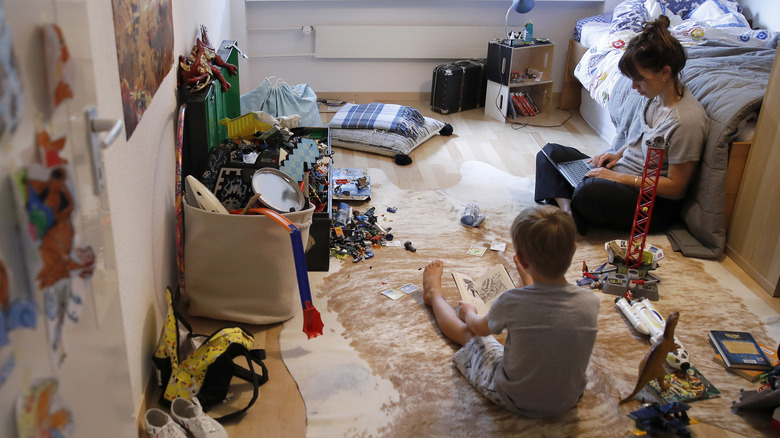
607	197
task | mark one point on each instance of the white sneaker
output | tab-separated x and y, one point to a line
161	425
190	415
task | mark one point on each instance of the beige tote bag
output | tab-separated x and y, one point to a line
241	267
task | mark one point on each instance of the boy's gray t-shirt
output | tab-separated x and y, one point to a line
551	330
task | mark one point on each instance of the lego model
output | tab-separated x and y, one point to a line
654	418
646	320
595	278
632	261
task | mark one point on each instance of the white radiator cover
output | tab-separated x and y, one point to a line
404	42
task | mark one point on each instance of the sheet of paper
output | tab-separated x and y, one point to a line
408	288
477	250
498	246
393	293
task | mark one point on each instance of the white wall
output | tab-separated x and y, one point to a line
282	22
140	177
764	13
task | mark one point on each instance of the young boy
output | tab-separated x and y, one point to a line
551	324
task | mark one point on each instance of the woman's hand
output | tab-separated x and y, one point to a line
604	173
604	159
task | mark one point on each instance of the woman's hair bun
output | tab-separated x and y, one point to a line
661	22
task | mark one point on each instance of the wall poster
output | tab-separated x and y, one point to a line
144	46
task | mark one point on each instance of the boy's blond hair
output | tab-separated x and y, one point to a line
546	237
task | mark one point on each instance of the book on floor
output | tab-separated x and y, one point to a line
751	375
684	386
739	350
350	184
482	291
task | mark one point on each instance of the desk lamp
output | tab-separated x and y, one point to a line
519	6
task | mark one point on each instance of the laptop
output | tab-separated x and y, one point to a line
573	171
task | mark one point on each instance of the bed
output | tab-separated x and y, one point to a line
728	67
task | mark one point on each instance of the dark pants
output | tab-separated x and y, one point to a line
595	201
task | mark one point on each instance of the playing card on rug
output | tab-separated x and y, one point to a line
498	246
478	251
393	294
409	288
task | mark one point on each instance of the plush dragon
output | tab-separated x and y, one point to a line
203	65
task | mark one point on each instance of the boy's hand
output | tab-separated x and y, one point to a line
465	308
524	276
478	324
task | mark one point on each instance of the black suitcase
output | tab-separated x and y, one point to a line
458	86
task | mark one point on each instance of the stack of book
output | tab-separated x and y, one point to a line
741	354
522	105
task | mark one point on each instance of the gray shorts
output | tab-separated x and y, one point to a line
478	361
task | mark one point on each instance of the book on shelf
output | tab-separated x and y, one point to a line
518	105
482	291
751	375
511	110
739	350
531	102
684	386
528	110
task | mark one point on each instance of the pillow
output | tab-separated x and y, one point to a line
382	142
681	7
720	13
400	119
603	18
629	15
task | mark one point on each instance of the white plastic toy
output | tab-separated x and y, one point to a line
646	320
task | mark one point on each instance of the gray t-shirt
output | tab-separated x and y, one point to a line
551	330
684	127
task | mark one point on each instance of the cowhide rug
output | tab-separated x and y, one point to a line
383	368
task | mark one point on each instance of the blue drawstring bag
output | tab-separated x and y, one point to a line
275	97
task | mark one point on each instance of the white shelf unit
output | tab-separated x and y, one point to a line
502	61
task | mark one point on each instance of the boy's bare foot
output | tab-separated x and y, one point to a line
432	281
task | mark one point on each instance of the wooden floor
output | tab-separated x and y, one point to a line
279	411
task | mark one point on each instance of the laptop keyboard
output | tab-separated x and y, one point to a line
574	171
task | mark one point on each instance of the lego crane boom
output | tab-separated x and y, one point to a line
645	202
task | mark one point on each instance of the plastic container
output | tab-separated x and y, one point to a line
472	216
342	215
247	125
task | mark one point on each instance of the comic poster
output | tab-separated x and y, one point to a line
144	46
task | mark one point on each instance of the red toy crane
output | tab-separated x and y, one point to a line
631	269
645	202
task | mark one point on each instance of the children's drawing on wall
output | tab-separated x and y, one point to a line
7	366
53	255
49	149
144	46
5	302
60	69
17	308
50	206
11	96
41	412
